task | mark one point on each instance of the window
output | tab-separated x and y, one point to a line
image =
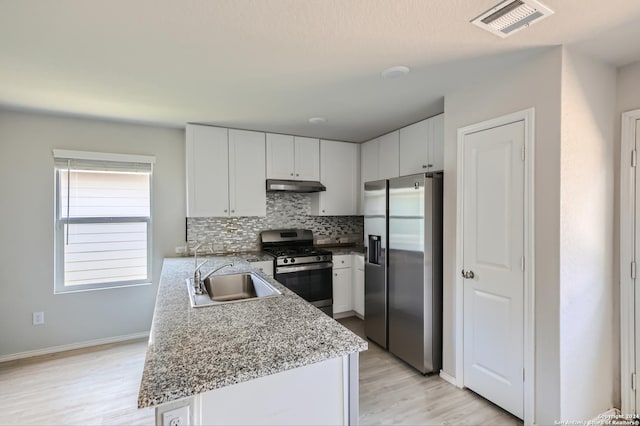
102	220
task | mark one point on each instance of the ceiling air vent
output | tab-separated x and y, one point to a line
511	16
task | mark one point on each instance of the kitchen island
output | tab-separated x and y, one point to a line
275	360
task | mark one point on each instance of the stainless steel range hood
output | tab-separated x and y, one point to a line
274	185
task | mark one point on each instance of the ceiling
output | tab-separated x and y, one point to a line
272	64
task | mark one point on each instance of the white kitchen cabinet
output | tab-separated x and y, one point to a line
369	158
421	146
437	145
307	158
380	158
389	155
247	193
207	171
292	157
342	284
340	174
358	284
225	172
280	156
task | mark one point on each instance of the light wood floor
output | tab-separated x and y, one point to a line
100	386
392	393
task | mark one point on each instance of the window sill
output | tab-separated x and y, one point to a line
84	290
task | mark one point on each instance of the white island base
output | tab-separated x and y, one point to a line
322	393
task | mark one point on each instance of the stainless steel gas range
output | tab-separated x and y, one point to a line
299	266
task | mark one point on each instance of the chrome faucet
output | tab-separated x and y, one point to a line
198	280
216	270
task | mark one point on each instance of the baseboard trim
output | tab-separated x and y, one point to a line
72	346
345	314
448	378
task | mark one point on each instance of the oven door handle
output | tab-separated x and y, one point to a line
300	268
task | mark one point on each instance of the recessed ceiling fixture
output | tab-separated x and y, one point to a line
511	16
318	120
395	72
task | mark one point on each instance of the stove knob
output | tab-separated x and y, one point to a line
286	261
292	260
318	258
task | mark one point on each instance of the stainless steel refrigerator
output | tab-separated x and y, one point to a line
408	260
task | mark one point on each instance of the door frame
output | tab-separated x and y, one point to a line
528	116
627	223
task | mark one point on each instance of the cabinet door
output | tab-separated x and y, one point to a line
369	161
247	193
414	154
358	284
342	290
307	158
280	163
436	143
340	173
207	171
389	156
342	261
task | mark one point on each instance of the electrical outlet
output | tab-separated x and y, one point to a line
38	318
181	250
176	417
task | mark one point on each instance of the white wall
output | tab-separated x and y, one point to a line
628	89
534	83
26	252
588	321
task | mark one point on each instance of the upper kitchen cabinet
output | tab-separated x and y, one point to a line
421	146
340	173
247	194
207	154
293	157
380	158
225	172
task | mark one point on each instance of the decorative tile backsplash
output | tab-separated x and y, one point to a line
284	210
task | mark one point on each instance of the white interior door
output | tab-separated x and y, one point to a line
636	246
493	265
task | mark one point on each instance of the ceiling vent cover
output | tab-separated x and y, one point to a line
511	16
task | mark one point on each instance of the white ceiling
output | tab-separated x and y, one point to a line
272	64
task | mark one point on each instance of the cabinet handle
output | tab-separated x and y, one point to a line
225	210
297	174
343	261
424	166
291	174
335	275
429	165
233	211
322	211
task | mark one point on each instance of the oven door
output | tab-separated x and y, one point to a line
313	282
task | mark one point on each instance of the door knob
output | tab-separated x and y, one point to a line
469	275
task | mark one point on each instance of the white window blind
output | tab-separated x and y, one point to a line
103	221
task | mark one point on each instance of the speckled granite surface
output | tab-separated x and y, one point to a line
196	350
345	250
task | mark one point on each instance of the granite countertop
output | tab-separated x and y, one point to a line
337	251
194	350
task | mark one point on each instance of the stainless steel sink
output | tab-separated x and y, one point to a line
221	289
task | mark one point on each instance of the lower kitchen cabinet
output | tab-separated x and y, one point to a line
358	284
341	290
342	284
